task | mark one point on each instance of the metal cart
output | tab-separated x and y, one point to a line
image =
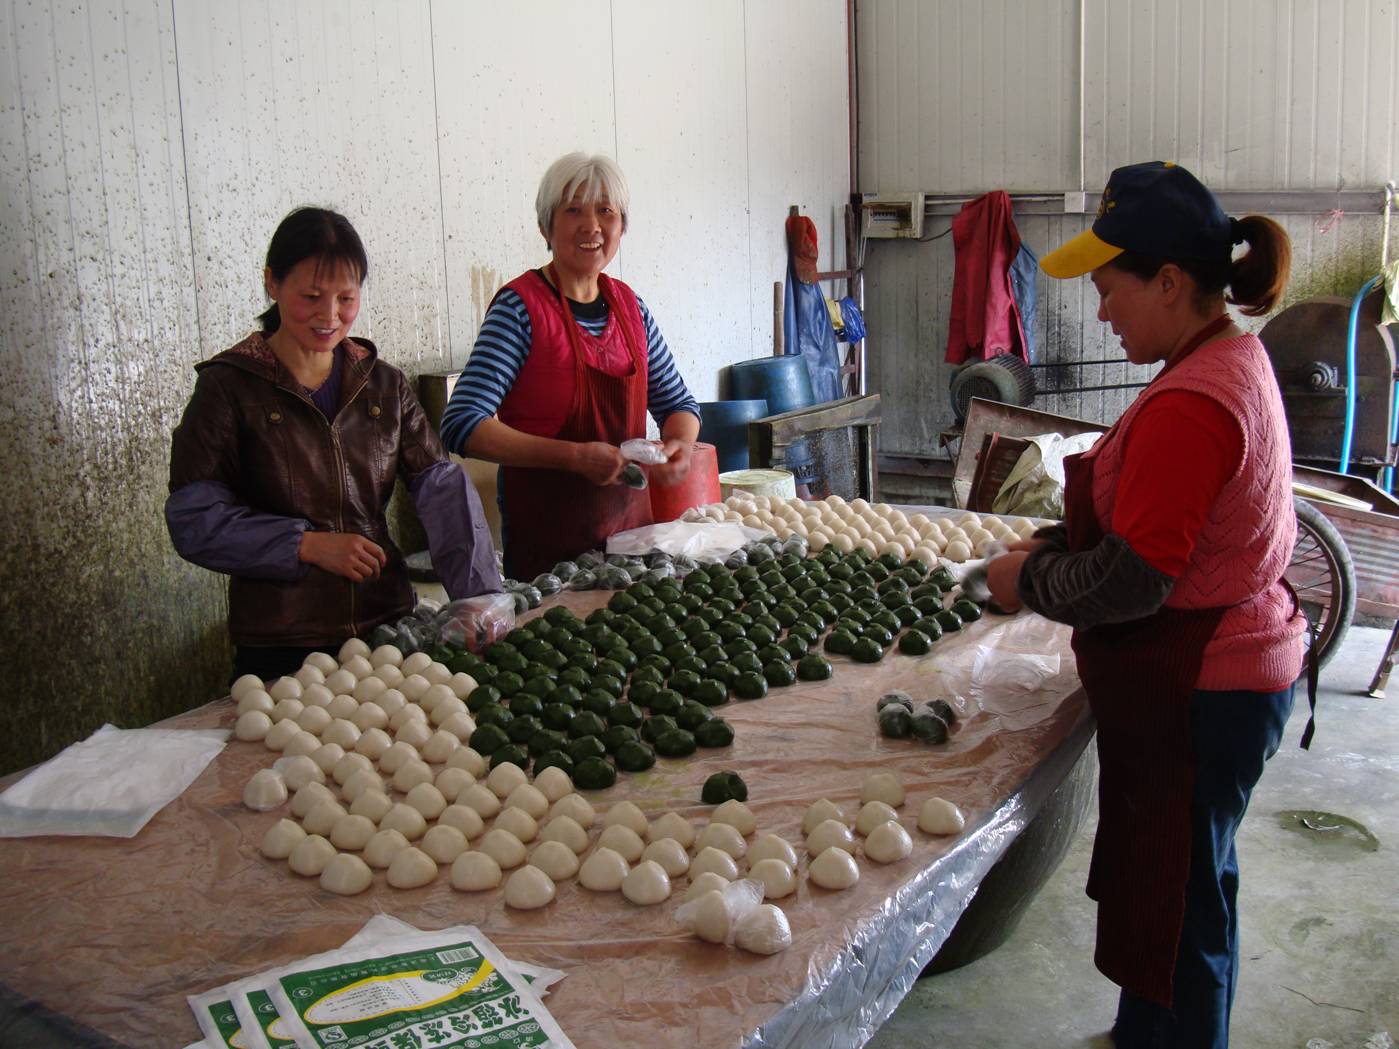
1367	527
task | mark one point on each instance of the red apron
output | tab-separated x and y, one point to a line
1139	677
552	515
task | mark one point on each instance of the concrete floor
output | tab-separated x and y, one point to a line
1319	910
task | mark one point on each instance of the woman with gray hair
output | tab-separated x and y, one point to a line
566	365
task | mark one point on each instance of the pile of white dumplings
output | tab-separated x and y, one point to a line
876	528
375	767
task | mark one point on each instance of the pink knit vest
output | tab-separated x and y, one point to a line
1247	538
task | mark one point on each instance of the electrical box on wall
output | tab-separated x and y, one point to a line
892	215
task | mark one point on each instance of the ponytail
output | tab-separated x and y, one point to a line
1258	278
1255	281
270	319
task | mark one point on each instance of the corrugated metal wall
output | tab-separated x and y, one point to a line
964	95
1249	94
959	97
148	148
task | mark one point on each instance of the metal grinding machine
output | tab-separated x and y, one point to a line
1338	389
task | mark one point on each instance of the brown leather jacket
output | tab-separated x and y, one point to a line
250	426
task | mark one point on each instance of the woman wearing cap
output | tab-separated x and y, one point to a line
566	365
1178	526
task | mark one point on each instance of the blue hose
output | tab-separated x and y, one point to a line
1393	436
1349	431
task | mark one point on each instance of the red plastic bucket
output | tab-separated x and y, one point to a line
700	486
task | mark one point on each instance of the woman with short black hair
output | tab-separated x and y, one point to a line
285	458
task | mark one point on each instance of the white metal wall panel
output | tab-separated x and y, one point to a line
682	139
1253	94
96	283
321	102
518	86
960	96
797	145
965	95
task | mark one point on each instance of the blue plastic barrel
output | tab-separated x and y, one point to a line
724	424
783	382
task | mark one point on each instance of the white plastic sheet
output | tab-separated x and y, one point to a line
182	918
110	784
701	541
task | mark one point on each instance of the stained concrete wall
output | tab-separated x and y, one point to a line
147	150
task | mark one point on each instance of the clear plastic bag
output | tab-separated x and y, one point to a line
640	450
996	671
425	610
740	897
475	622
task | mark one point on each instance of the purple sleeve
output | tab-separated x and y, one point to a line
212	528
458	537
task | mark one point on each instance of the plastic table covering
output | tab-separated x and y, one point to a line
106	937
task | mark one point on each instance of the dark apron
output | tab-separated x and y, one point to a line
1139	677
553	515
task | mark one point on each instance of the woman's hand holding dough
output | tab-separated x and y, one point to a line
599	462
343	554
1028	546
1001	576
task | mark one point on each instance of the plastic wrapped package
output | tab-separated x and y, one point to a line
111	783
190	904
640	450
223	1009
425	610
736	900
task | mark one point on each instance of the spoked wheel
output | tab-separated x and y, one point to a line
1323	574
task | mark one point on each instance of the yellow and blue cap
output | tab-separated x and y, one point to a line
1157	209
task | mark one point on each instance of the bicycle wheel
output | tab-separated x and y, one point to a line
1323	574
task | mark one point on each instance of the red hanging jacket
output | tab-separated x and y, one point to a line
985	320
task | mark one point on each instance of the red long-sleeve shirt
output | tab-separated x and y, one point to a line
1182	449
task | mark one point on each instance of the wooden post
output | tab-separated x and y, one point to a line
778	296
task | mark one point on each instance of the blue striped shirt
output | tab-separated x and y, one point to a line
500	352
